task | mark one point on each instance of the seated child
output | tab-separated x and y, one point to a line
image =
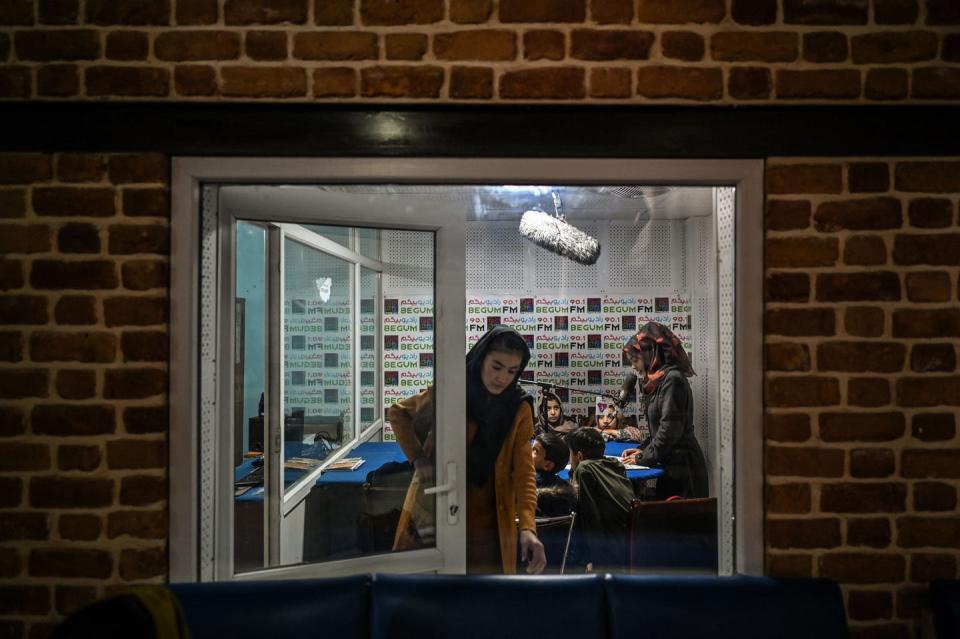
604	495
551	418
555	495
611	423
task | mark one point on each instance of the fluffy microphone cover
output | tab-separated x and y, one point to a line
558	237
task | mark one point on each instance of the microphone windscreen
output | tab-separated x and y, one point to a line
628	383
556	236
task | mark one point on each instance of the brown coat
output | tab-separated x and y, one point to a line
514	475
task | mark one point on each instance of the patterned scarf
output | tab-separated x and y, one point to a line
661	351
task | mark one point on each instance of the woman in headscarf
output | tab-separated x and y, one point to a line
657	355
610	423
501	485
552	418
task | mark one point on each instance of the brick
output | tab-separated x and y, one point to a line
895	11
861	427
72	492
142	490
23	309
266	45
11	346
543	10
71	598
264	82
690	83
831	84
479	44
72	420
134	383
13	202
754	46
391	12
336	45
863	498
17	238
610	83
928	391
15	526
862	214
860	357
801	251
753	83
128	239
931	212
786	357
928	286
333	12
24	600
886	84
76	384
911	602
75	309
58	11
84	458
334	81
804	462
862	568
934	496
933	427
74	201
682	45
917	532
184	45
611	11
127	45
805	178
854	287
868	392
145	419
134	453
754	12
138	167
11	274
941	250
243	12
9	563
788	498
942	12
109	12
864	250
787	566
891	47
145	346
928	567
559	83
542	44
873	532
800	321
20	383
135	311
680	11
610	44
787	287
25	168
15	82
405	46
470	11
869	605
80	167
930	177
55	562
58	80
803	533
802	391
154	202
825	12
140	524
194	12
78	238
16	12
786	215
4	46
143	564
869	177
866	463
943	322
73	347
787	427
127	81
471	83
48	45
864	321
11	487
951	48
825	46
941	463
195	79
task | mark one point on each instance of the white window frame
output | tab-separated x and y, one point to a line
745	521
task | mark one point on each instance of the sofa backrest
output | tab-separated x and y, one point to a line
945	605
724	608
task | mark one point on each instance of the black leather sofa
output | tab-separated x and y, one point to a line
579	607
945	606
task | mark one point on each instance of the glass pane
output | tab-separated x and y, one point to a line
369	348
318	364
248	375
368	243
339	234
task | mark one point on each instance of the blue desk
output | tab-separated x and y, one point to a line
615	449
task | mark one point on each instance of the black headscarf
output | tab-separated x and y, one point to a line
493	414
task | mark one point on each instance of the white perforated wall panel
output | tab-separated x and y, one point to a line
208	378
408	262
494	257
642	255
554	272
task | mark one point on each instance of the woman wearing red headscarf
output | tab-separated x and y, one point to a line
657	355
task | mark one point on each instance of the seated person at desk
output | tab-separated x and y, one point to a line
555	495
610	423
551	418
604	495
656	354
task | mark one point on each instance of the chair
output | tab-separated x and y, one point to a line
383	495
680	534
555	534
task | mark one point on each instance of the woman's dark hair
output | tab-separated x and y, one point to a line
588	441
508	343
554	450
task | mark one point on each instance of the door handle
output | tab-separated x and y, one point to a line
450	490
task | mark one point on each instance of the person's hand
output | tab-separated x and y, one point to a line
424	468
531	551
630	455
